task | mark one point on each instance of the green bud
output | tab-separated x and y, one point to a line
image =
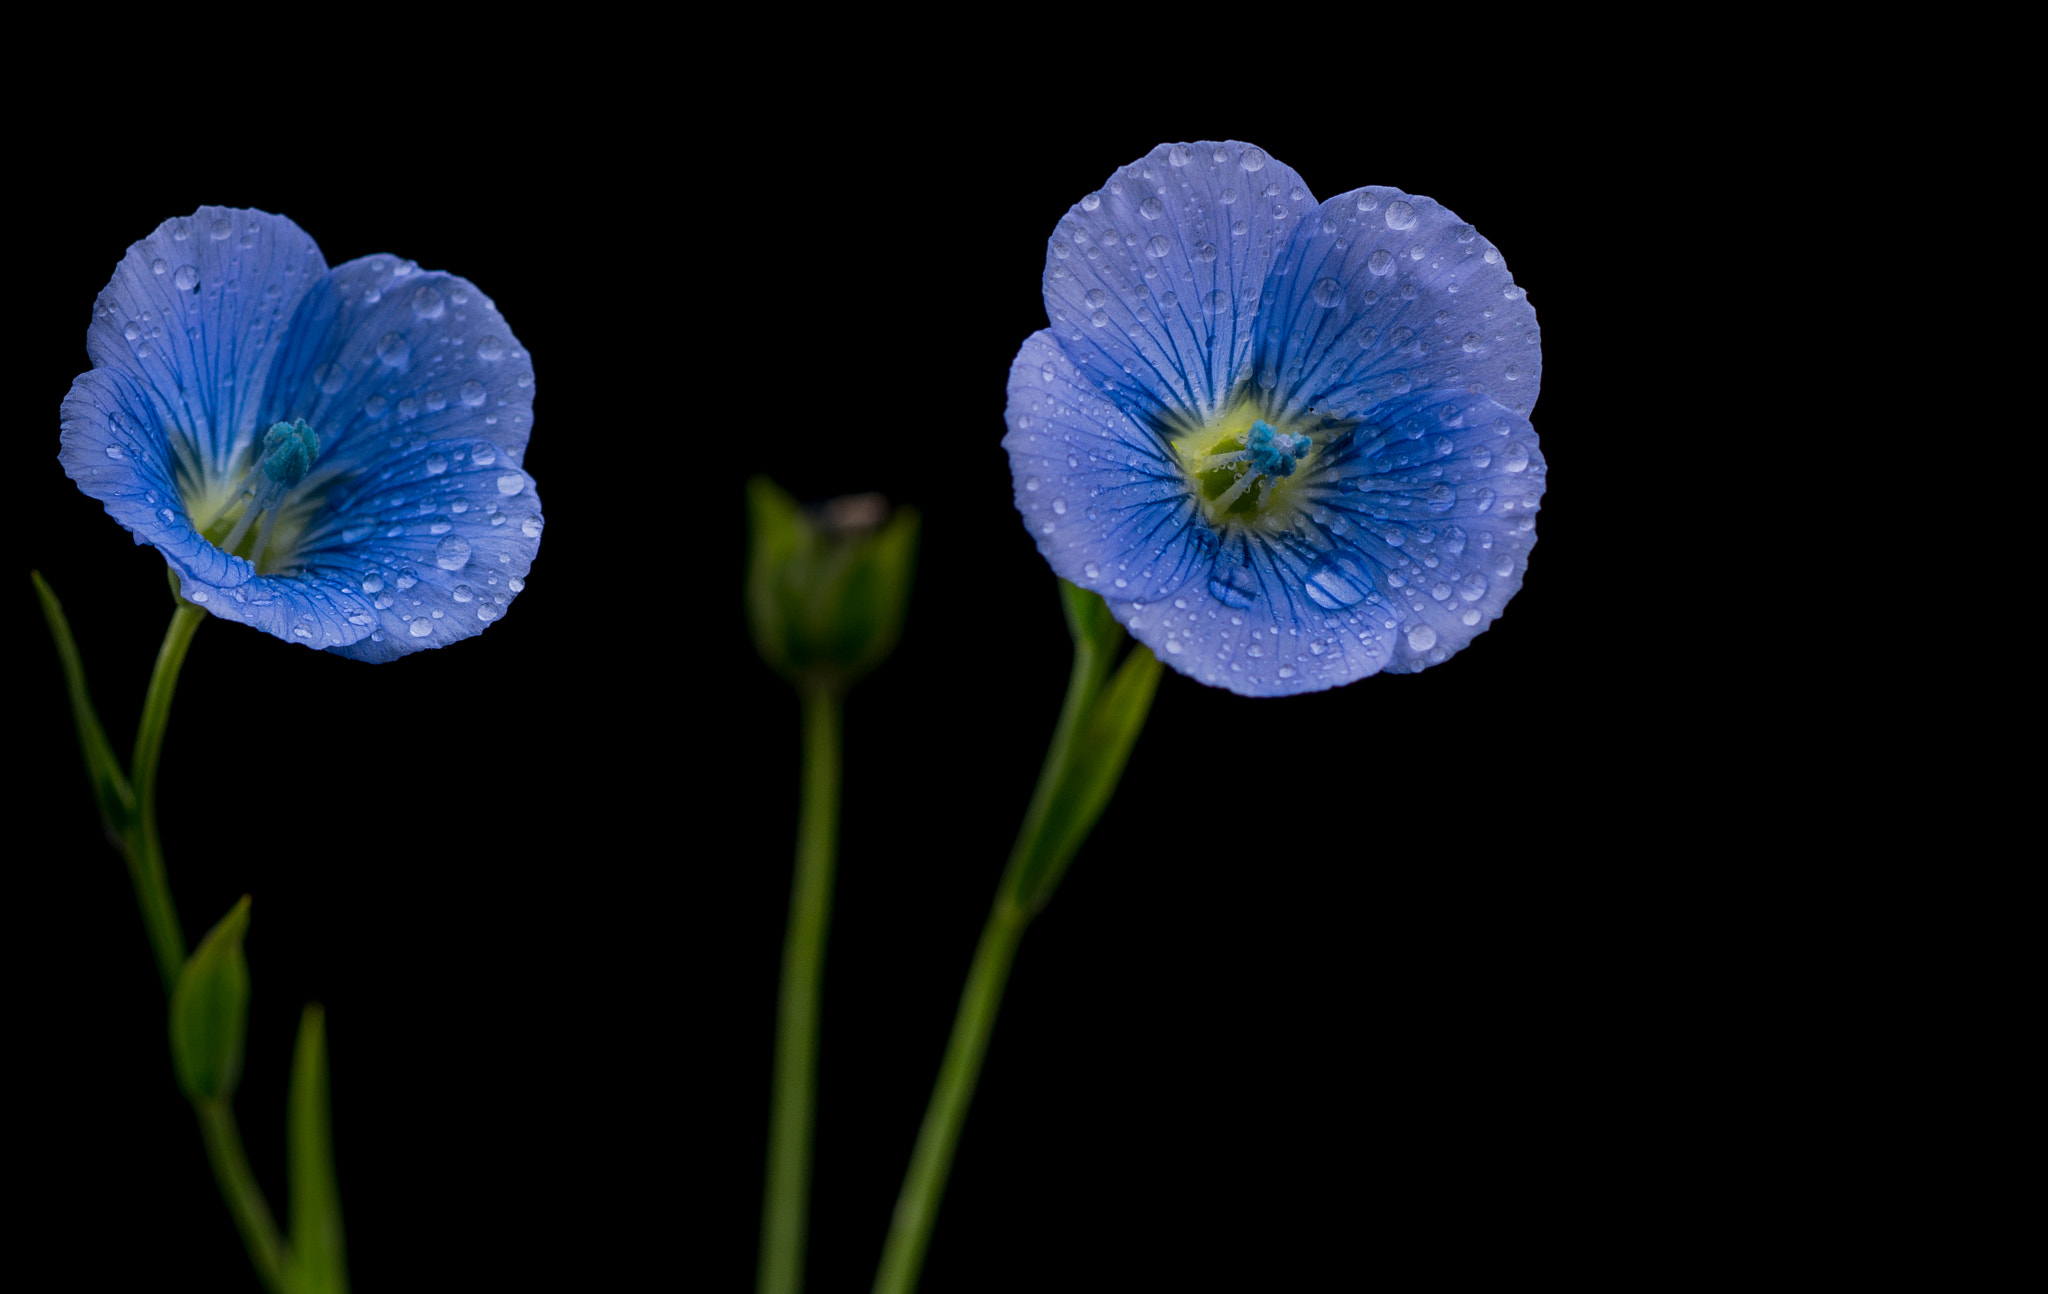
826	587
210	1010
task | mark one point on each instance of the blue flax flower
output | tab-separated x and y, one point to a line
330	455
1288	441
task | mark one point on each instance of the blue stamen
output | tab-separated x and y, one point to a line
289	449
1273	451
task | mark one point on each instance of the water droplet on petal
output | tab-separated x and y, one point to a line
1401	215
452	553
1422	638
472	393
511	483
186	278
422	626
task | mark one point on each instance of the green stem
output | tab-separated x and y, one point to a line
144	850
238	1187
785	1210
924	1184
917	1207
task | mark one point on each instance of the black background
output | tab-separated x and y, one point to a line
1412	972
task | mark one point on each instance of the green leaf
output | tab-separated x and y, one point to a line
314	1263
210	1010
110	789
1095	765
1090	622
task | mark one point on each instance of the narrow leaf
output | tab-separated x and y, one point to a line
315	1264
1089	620
110	789
1097	764
210	1010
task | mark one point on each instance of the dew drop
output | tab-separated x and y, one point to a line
436	464
463	593
186	278
373	582
158	268
1401	215
1515	458
510	484
393	351
1422	638
452	553
490	348
484	454
1030	483
472	393
422	626
1327	292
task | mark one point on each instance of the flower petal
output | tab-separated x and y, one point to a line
438	537
196	312
1436	501
1254	625
1105	501
1382	293
384	354
1155	281
118	449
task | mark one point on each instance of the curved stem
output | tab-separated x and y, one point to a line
917	1205
785	1211
238	1187
145	851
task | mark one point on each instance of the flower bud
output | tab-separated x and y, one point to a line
826	586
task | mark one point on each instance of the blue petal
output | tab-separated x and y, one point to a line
196	313
1154	283
383	355
1382	293
1104	499
1436	500
117	447
440	537
1264	621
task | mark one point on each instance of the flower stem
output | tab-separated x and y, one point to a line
917	1206
786	1206
924	1184
238	1188
143	849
